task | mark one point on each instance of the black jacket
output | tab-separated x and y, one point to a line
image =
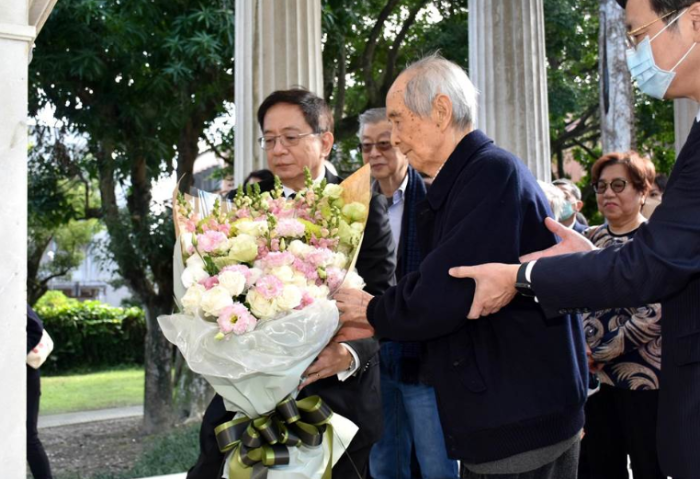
35	329
509	383
661	264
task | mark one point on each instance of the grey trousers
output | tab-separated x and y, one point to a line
564	467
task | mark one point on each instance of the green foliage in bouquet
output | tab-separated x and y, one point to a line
90	334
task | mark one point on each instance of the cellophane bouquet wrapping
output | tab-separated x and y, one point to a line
253	279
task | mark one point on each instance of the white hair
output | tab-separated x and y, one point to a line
555	196
371	117
434	75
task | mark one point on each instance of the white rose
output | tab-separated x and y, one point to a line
340	261
195	260
283	273
243	248
233	281
261	307
216	299
299	280
318	292
333	191
255	274
289	299
193	274
299	248
252	228
353	281
190	301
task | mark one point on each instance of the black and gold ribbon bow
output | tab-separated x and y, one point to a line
260	443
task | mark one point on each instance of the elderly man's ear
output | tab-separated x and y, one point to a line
442	111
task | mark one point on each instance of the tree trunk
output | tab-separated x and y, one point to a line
192	393
158	408
616	96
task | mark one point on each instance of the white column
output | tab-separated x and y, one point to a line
616	95
16	38
508	66
278	46
684	113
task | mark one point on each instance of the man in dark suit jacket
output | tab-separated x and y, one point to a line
572	196
661	264
297	133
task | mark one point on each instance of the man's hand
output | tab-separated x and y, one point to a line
334	358
571	242
495	286
352	304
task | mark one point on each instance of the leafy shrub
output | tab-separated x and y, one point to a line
90	334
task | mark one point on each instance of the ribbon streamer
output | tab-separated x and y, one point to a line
264	442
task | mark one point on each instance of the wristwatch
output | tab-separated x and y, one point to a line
352	363
522	284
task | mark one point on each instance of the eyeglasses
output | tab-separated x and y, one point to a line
381	146
631	37
618	186
286	139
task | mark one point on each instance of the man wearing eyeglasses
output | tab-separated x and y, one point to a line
411	420
297	133
662	264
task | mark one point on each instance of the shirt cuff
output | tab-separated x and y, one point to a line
343	375
528	275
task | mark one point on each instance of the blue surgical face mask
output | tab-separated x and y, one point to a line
651	79
567	211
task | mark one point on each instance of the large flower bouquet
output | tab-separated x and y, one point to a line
253	278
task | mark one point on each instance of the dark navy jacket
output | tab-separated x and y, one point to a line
511	382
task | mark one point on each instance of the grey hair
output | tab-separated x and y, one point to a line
434	75
570	185
555	196
371	117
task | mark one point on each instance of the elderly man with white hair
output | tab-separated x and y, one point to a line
510	389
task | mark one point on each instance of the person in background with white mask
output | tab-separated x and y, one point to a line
571	213
662	264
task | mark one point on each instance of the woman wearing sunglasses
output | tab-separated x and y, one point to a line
625	343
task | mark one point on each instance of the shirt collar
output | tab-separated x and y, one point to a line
288	191
697	118
401	190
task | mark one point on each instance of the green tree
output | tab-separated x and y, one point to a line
141	80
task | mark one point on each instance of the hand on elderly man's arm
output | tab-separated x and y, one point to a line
495	282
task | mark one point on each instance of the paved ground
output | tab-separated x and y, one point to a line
68	419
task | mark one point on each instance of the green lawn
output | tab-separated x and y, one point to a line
100	390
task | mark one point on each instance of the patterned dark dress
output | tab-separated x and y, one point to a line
626	340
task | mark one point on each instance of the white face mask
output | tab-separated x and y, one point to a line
651	79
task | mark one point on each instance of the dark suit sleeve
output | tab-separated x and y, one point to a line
484	224
35	328
376	262
658	263
365	349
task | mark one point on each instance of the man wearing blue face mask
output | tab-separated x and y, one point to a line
661	264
